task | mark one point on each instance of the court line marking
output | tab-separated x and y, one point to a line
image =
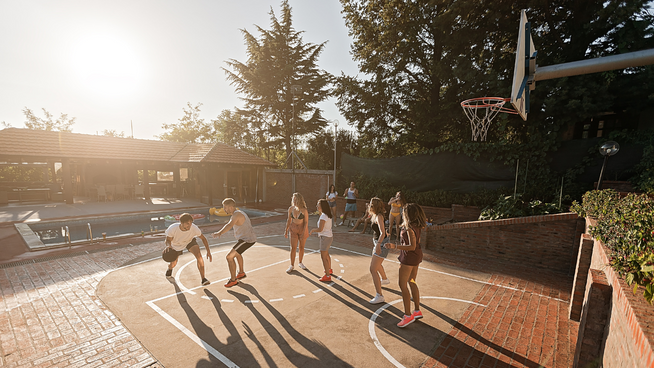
200	342
373	318
203	344
463	277
179	271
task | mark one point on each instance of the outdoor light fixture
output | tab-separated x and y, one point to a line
609	148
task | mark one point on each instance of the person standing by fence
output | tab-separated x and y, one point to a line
351	194
331	199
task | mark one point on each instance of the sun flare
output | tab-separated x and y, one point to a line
107	65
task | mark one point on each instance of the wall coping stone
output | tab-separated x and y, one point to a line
510	221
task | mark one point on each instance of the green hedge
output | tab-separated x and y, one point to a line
626	227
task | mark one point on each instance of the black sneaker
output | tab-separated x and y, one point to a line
205	282
169	273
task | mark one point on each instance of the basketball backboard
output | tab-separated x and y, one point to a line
524	68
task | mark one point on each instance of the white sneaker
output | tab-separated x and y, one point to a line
340	223
302	266
377	299
290	268
385	282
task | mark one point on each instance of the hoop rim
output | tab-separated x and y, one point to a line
493	102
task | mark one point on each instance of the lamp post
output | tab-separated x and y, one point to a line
294	89
335	140
609	148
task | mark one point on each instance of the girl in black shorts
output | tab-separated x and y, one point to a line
414	220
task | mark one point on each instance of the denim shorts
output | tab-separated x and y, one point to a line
384	250
350	207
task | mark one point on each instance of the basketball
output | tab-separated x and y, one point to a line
169	254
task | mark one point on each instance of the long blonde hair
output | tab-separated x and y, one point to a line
301	204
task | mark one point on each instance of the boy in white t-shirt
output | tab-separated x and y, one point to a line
182	235
326	236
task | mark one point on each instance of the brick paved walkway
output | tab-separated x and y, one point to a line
521	326
50	316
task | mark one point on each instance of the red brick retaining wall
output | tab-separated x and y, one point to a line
630	333
549	241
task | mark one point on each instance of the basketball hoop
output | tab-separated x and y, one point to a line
481	111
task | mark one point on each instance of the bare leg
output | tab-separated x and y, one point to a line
172	264
239	259
382	272
405	278
294	241
326	261
355	226
415	293
302	241
375	266
231	264
198	258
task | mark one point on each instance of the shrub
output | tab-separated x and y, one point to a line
626	227
515	206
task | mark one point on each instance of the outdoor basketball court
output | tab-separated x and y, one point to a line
273	318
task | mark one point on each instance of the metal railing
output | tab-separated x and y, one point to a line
67	236
89	232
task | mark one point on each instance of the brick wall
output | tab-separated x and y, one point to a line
544	241
630	332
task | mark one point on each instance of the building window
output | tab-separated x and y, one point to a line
164	176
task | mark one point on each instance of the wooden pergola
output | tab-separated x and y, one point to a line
201	171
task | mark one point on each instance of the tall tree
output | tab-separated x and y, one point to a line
238	131
190	129
63	124
280	82
420	59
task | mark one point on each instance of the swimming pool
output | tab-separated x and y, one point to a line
54	233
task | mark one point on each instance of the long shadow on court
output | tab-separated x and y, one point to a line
487	359
325	357
385	321
207	334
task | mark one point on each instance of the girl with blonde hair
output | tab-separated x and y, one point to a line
297	226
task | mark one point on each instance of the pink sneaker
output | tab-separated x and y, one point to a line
416	314
406	320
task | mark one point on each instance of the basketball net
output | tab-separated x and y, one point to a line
481	111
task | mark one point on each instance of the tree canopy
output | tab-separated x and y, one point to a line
280	83
62	124
190	129
419	60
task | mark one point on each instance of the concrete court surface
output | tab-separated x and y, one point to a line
276	319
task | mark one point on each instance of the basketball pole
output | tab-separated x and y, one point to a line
601	64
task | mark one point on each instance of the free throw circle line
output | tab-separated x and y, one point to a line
373	318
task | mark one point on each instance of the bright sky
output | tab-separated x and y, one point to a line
111	62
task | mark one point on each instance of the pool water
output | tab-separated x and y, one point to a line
53	232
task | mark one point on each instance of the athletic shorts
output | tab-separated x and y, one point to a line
350	207
325	242
384	250
188	247
241	246
298	231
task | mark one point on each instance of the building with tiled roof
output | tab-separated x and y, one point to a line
89	161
